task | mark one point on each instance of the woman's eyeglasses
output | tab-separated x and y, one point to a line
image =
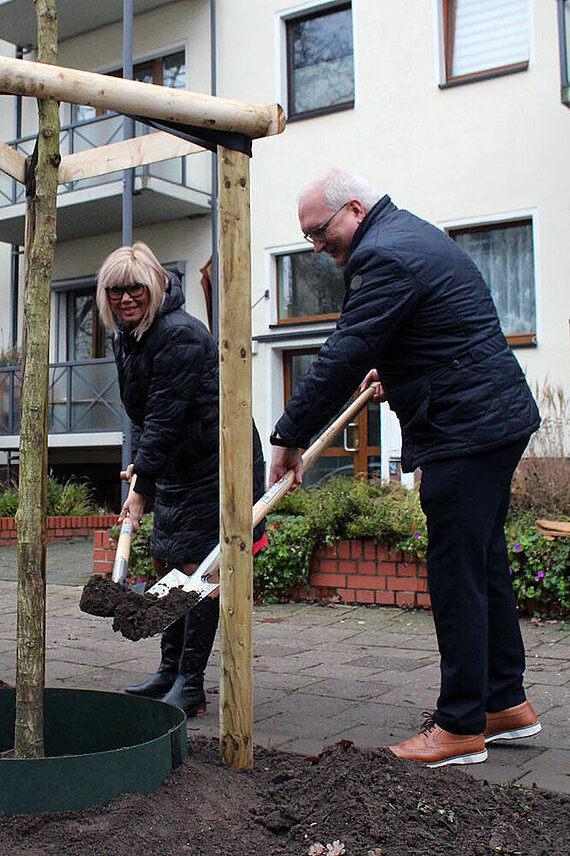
116	292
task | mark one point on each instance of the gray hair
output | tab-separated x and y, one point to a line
125	266
339	187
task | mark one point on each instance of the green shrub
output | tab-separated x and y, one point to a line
70	498
286	563
140	563
540	569
9	502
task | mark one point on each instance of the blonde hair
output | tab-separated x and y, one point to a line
126	266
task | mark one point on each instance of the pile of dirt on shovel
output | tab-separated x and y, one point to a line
135	615
350	801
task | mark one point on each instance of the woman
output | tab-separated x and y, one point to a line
167	363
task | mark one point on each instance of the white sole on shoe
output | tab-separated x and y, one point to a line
516	733
473	758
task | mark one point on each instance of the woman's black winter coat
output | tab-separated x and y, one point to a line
417	309
169	387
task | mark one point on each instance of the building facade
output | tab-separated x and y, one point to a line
456	108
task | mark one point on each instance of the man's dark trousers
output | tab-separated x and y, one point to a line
466	500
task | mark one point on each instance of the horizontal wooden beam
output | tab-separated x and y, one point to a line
150	148
12	163
39	80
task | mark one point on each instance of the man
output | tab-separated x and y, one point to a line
418	320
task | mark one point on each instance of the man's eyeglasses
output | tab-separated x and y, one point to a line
319	233
116	292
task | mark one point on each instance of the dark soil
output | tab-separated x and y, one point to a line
365	801
135	615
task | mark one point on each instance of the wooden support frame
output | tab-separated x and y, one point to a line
236	461
20	77
115	157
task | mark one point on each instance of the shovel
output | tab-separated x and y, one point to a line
199	581
120	565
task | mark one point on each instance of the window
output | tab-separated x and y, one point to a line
81	334
163	71
504	254
320	68
309	287
484	38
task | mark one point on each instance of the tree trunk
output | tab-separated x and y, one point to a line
40	239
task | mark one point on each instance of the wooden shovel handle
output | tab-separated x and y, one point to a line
272	496
124	544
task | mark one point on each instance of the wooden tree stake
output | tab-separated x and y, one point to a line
236	461
31	516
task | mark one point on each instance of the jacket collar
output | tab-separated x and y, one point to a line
381	208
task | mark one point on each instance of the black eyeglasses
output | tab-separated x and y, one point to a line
319	233
116	292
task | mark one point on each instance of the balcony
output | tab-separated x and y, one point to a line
18	17
170	190
84	404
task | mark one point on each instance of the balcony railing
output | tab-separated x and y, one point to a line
188	172
83	398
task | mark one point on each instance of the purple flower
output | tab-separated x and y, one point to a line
517	548
539	576
510	571
416	534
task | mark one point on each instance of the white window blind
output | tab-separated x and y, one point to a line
489	34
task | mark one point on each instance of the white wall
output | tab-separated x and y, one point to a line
472	151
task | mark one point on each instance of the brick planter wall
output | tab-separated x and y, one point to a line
364	572
353	571
103	552
59	527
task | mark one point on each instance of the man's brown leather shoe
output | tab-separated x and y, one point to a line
436	747
512	723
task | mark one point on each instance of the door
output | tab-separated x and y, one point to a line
356	451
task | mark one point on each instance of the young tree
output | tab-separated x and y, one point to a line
40	239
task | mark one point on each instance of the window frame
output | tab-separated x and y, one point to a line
447	12
304	13
490	224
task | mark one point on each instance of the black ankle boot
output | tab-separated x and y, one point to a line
188	689
171	644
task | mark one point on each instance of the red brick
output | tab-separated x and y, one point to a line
422	568
346	595
406	569
386	598
369	550
344	549
333	580
366	568
99	555
364	596
329	566
388	568
367	582
348	566
409	584
331	551
423	599
383	553
318	552
356	549
405	599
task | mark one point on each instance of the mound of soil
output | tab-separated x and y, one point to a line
135	615
347	800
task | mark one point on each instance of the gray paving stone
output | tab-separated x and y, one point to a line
320	674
